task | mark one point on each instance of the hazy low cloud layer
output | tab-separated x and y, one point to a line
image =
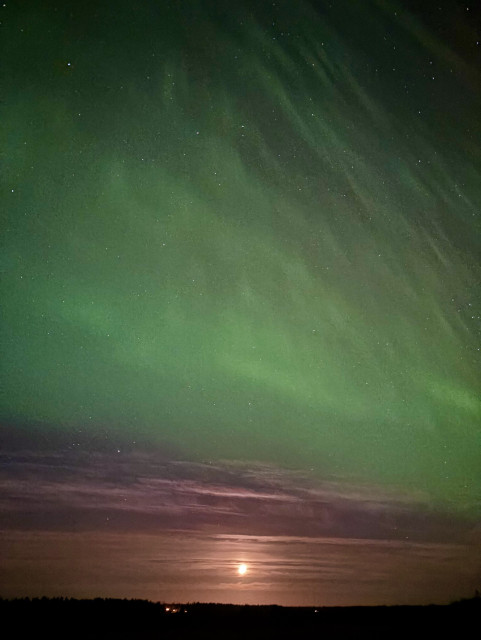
190	566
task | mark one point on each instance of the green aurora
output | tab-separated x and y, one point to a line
247	231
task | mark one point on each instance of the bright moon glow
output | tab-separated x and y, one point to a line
242	569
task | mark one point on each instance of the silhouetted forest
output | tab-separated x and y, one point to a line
141	619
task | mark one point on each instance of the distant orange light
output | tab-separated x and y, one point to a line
242	569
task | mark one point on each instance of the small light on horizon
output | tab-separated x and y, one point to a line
242	569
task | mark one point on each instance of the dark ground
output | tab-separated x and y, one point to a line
140	619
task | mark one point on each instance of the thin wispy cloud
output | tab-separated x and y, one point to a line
139	492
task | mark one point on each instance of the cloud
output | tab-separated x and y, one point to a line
142	492
193	565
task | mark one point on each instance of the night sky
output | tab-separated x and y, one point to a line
241	300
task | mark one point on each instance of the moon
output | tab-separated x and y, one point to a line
242	569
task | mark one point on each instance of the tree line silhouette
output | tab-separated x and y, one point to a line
109	618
